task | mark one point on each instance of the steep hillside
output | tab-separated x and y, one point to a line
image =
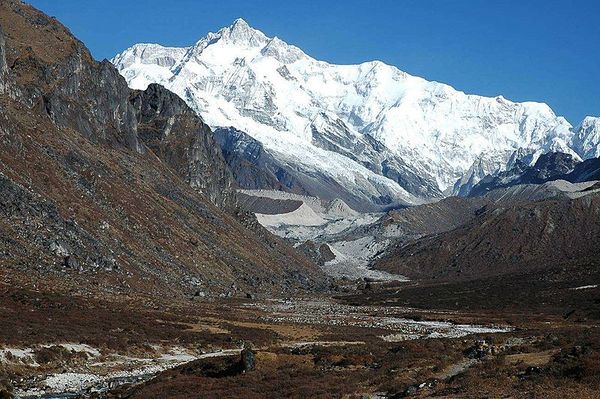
114	190
522	237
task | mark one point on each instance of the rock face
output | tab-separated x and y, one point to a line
369	131
548	167
123	191
178	137
321	253
252	166
587	170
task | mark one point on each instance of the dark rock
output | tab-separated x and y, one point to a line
550	166
533	370
411	390
252	166
587	170
71	263
169	127
248	359
60	248
481	349
267	206
326	254
320	253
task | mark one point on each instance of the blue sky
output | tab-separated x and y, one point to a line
526	50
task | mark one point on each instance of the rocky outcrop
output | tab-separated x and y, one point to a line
550	166
93	99
252	166
587	170
174	133
320	253
61	79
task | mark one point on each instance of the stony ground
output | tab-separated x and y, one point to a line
312	347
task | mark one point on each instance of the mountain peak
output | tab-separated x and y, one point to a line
587	137
590	120
240	23
375	113
240	32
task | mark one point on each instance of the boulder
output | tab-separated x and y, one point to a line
248	359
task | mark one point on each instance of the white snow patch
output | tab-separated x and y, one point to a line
585	287
75	382
70	382
17	354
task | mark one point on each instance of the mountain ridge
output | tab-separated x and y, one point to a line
289	102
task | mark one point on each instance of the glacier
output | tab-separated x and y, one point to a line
383	137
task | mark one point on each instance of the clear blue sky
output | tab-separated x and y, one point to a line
538	50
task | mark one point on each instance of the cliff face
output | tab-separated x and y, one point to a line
106	187
175	134
59	76
253	167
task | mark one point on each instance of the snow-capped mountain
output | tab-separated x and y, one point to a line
382	135
586	140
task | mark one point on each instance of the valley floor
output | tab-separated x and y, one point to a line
387	341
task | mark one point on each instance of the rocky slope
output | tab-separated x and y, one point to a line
379	136
549	167
255	168
509	237
114	190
